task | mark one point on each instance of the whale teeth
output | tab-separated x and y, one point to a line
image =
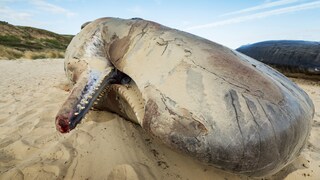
84	102
76	113
89	97
78	106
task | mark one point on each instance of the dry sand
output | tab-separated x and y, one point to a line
104	146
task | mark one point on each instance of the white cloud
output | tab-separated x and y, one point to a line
8	13
48	7
266	5
300	7
185	23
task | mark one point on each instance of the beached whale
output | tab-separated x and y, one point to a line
291	57
198	97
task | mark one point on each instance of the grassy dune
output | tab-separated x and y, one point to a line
30	43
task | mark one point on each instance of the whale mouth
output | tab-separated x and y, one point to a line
88	90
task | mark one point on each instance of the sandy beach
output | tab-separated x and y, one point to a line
104	145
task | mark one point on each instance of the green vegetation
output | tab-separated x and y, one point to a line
53	43
9	40
3	22
28	42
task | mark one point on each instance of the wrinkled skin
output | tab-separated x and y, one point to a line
294	58
198	97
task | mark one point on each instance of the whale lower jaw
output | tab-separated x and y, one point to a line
125	100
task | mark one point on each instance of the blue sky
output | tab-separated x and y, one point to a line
232	23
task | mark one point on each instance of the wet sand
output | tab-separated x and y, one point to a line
104	145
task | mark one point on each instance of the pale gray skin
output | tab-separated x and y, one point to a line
198	97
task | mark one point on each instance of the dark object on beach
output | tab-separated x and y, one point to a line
293	58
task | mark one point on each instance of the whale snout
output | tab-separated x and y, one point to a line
62	123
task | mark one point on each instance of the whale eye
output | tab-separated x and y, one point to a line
125	80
